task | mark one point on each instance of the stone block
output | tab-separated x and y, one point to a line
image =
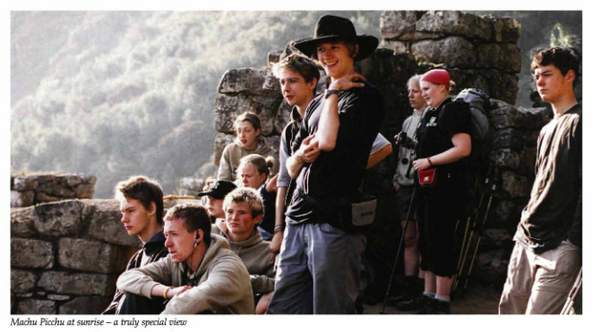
508	138
494	238
502	85
58	297
85	190
515	185
36	307
250	80
492	266
59	219
24	183
22	222
87	305
398	25
505	158
397	46
455	23
104	220
504	57
451	51
505	212
76	283
21	198
31	253
506	29
221	141
90	256
527	157
42	197
22	281
228	107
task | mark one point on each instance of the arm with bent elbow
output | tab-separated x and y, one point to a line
461	149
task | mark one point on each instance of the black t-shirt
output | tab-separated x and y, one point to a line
437	127
553	212
336	175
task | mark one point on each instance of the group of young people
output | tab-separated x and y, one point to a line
289	244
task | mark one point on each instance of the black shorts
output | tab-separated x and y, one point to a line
438	211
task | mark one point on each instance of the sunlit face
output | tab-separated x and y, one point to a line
215	207
249	176
551	84
295	90
239	220
247	135
415	98
434	94
135	217
178	241
335	58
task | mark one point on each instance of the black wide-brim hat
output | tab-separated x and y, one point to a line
331	27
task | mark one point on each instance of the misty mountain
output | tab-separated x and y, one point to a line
120	93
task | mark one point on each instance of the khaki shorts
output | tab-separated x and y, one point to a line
539	284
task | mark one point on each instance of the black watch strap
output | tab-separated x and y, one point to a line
330	92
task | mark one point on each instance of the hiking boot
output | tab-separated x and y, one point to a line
436	307
411	288
415	303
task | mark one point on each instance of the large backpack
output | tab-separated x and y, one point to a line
478	101
477	163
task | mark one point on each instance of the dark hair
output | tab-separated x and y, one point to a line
263	165
250	117
563	58
145	190
194	216
300	64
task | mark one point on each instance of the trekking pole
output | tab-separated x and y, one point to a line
399	250
470	228
572	294
479	232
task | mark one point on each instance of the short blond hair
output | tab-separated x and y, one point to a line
247	195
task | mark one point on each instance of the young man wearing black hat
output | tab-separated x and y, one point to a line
141	205
216	194
320	259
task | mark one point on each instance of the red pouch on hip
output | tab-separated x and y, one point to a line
427	177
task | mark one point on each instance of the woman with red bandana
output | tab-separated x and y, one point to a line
443	144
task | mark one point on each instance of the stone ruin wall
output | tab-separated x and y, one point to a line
67	253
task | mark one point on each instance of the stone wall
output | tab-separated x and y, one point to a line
66	255
479	51
34	188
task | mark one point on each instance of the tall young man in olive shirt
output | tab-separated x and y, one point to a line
320	257
547	254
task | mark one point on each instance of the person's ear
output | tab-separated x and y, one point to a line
152	208
258	219
570	75
313	84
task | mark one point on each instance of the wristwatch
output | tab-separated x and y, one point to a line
330	92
